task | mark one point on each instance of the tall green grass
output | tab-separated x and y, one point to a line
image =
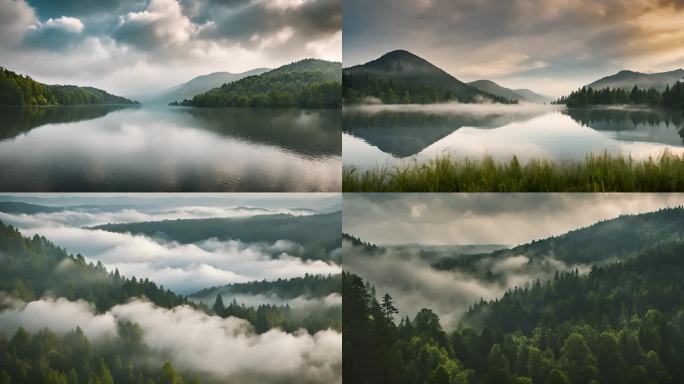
597	173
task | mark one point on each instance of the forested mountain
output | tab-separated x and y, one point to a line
533	96
670	98
26	208
496	89
400	77
309	83
201	84
309	286
626	80
621	323
318	234
32	267
18	90
608	240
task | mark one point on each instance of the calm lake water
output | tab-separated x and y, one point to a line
169	149
395	135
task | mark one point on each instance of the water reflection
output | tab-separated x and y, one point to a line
166	149
387	136
14	121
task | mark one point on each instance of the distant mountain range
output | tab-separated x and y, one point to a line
606	241
308	83
400	77
200	84
520	95
627	79
19	90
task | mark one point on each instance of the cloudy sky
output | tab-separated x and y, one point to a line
550	46
130	47
443	219
184	268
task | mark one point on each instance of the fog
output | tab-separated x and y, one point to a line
414	284
183	268
193	341
455	108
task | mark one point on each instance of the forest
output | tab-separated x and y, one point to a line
318	234
620	323
18	90
309	83
670	98
309	285
360	87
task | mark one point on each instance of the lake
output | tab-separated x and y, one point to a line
162	148
397	135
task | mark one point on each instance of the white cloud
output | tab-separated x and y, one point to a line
193	341
70	24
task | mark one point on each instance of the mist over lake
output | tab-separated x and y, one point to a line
390	135
169	149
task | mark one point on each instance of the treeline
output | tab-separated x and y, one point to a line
268	316
671	97
359	88
622	323
47	358
33	267
318	235
18	90
309	286
308	83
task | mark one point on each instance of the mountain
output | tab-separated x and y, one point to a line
18	90
309	286
201	84
31	267
16	207
510	94
318	234
606	241
533	96
400	77
627	79
308	83
495	89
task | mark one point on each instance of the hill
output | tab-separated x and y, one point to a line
18	90
606	241
201	84
309	286
26	208
626	80
400	77
533	96
621	323
33	267
495	89
308	83
318	234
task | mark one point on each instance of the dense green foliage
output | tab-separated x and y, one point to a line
268	316
308	83
597	173
318	234
17	90
621	323
47	358
610	240
309	286
672	98
400	77
32	267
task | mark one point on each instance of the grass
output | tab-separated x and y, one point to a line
597	173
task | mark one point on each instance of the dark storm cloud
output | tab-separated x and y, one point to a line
485	218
